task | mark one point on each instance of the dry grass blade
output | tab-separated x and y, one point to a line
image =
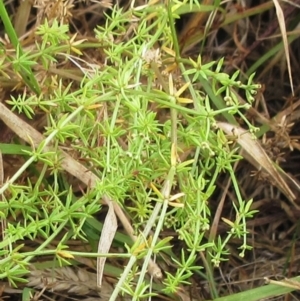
194	24
22	17
281	22
257	156
107	235
214	228
285	283
74	281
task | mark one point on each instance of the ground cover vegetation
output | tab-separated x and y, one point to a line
149	150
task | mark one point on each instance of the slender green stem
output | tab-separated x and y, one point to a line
26	73
157	210
41	147
74	253
39	248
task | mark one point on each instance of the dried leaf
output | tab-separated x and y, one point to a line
108	233
69	280
258	156
62	280
281	21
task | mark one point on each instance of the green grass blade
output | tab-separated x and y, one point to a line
260	293
13	149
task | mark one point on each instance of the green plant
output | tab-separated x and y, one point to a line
162	170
